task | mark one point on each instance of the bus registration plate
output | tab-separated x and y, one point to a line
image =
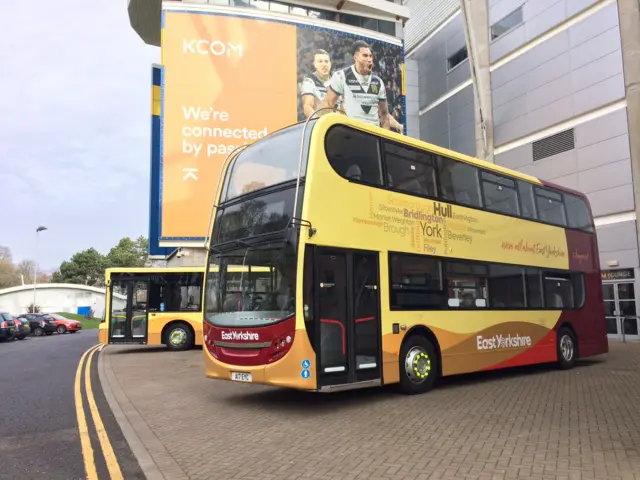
241	377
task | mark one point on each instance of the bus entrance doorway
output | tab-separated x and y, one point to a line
128	315
348	318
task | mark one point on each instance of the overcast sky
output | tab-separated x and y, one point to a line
74	127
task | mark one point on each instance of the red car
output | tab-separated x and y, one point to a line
64	324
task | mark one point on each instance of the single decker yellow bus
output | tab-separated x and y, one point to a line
395	262
153	306
158	306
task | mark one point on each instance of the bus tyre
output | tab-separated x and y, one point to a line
418	365
179	337
567	348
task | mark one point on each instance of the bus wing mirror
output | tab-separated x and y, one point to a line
291	240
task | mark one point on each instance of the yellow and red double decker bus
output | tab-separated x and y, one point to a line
392	261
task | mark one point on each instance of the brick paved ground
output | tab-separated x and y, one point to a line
530	423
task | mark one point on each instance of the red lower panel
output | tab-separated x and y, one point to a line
542	352
250	346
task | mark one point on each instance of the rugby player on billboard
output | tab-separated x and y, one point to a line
364	94
314	87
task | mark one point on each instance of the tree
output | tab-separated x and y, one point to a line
142	245
86	268
25	268
8	275
44	277
129	253
5	254
25	271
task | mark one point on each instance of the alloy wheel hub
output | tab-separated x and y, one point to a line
566	347
417	364
178	336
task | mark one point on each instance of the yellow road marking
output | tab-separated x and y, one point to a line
105	444
85	440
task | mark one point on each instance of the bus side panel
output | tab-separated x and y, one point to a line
391	355
476	341
157	322
498	340
545	351
103	333
589	321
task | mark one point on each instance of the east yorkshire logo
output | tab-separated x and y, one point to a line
500	341
239	335
212	47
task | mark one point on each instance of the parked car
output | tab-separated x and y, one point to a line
41	323
64	324
7	328
22	328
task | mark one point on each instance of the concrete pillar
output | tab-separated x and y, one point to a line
629	19
475	15
412	100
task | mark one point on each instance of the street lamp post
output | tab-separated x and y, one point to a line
35	266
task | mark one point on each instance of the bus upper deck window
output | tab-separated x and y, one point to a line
354	155
410	170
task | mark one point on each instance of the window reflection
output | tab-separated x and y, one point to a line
383	26
279	7
260	4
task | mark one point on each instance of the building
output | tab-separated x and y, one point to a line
56	298
376	15
554	80
545	87
381	16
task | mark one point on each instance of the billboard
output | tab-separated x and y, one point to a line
233	75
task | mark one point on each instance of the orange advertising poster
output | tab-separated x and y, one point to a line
227	81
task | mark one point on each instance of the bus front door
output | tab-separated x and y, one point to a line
128	322
347	318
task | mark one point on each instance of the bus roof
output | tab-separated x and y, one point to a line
198	269
113	270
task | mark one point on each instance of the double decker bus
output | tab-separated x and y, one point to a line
153	306
395	262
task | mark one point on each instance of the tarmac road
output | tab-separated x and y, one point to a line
39	435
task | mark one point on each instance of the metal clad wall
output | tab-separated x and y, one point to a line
575	71
154	194
426	15
435	77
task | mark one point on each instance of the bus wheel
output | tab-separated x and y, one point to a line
567	348
418	365
179	337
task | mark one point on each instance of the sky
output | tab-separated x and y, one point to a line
75	106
